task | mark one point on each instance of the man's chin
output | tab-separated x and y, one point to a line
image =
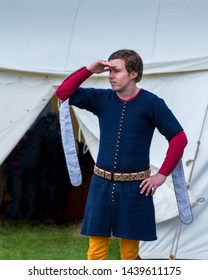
114	87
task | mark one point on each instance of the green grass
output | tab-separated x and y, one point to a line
34	240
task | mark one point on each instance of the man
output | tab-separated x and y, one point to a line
120	201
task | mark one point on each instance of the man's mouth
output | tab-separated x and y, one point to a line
113	83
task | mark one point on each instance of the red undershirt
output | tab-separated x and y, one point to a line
176	145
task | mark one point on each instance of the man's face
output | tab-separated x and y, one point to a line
119	78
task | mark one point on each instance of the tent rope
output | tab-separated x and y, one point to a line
175	243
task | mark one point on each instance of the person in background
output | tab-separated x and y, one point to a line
120	199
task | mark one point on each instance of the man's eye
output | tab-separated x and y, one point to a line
114	70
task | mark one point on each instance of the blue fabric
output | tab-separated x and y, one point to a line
120	210
126	130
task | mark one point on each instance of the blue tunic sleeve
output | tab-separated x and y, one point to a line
163	118
89	99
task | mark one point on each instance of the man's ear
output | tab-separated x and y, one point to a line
133	74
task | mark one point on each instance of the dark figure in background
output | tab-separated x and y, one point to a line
22	167
50	176
36	187
53	183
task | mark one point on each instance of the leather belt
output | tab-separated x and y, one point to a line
122	177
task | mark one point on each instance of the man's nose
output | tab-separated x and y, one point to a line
111	74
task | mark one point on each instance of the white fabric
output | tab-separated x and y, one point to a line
72	33
19	107
181	193
69	146
89	126
165	198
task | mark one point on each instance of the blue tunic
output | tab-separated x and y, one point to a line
126	130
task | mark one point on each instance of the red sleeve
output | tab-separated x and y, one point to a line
175	151
72	83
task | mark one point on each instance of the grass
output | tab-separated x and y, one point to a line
33	240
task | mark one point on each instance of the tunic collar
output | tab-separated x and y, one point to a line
131	98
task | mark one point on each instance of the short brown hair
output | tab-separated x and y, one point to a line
132	61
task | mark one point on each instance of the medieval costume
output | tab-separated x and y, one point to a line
115	205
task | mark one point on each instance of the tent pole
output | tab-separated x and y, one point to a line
174	247
197	149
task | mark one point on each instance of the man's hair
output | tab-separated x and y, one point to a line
132	61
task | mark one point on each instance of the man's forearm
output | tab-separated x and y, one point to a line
174	153
71	84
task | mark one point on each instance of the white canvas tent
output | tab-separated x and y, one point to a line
44	41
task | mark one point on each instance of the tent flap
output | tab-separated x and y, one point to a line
20	105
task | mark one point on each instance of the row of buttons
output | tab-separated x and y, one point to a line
117	147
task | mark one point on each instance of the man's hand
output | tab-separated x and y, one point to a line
100	66
150	184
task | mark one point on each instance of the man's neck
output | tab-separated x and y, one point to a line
125	95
